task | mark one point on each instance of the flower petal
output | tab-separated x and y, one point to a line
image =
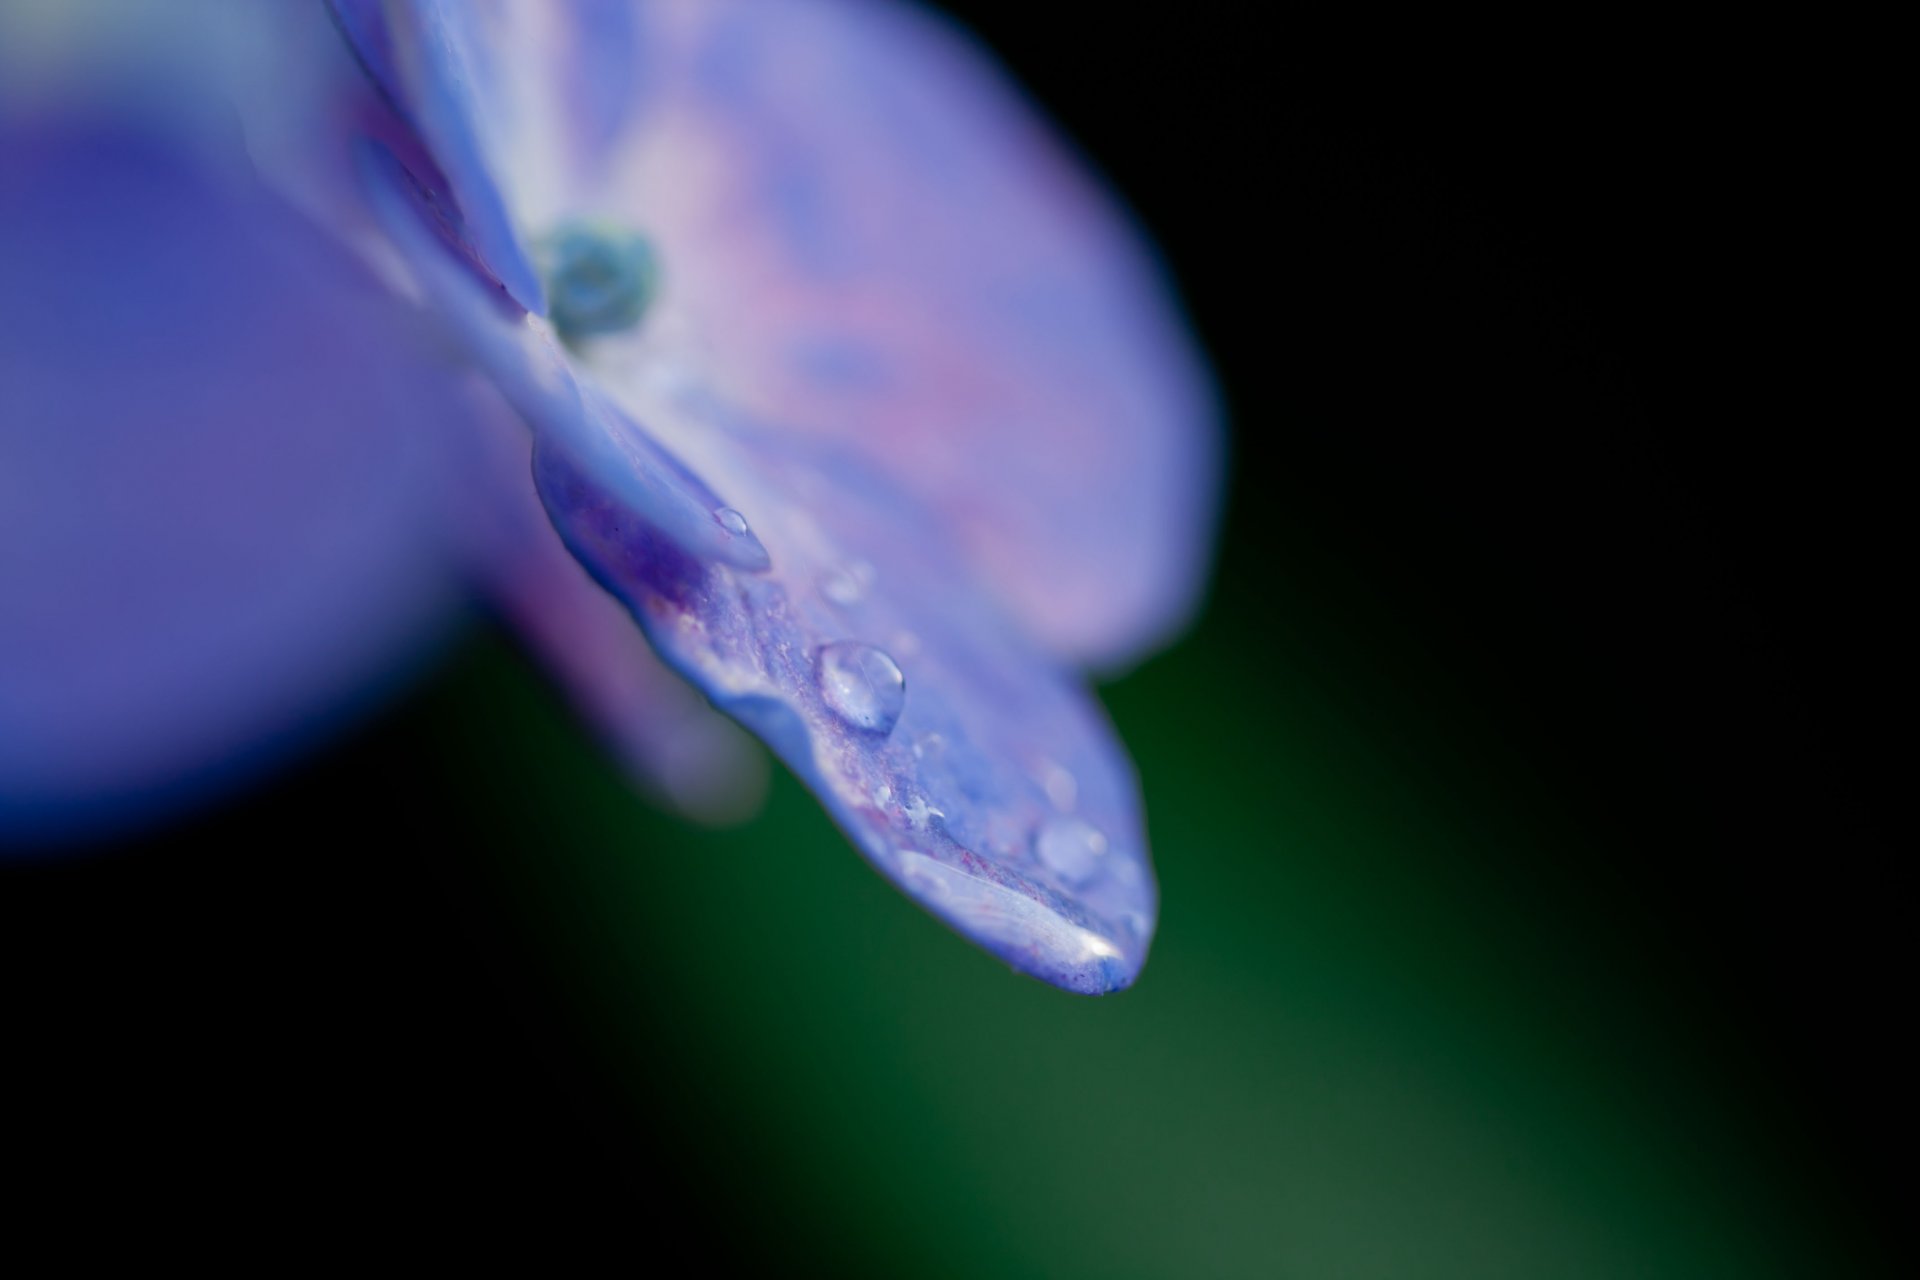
966	764
665	734
215	531
530	88
522	355
867	236
869	239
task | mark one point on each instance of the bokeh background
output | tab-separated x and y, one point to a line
1521	802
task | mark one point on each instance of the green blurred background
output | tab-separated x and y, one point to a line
1527	902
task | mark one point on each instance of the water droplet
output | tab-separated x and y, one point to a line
730	520
882	796
1062	788
862	685
846	585
1072	849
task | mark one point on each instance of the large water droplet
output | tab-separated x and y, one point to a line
862	685
730	520
1072	849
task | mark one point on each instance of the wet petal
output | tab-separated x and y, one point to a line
966	765
668	738
868	241
866	236
929	395
215	537
523	356
964	761
663	732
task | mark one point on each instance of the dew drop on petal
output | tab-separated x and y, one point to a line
862	685
846	585
1071	848
1062	788
730	520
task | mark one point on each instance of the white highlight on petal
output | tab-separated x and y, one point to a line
992	911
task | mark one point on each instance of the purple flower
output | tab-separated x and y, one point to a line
822	359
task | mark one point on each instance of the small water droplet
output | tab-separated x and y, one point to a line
1062	788
846	585
862	685
1074	850
882	795
730	520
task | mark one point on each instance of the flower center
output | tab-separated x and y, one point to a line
599	280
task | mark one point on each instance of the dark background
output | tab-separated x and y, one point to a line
1523	803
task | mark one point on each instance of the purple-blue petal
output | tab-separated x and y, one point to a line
965	763
216	467
494	87
964	759
867	238
910	425
866	235
670	741
437	68
523	357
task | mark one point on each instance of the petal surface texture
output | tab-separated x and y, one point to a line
870	241
669	739
965	761
500	86
909	430
215	534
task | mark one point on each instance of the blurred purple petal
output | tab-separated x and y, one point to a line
524	358
867	236
869	240
216	456
910	421
964	761
494	87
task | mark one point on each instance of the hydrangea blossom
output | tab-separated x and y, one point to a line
777	345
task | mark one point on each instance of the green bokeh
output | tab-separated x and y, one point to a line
1353	1053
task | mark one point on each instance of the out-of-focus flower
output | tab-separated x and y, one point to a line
820	356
